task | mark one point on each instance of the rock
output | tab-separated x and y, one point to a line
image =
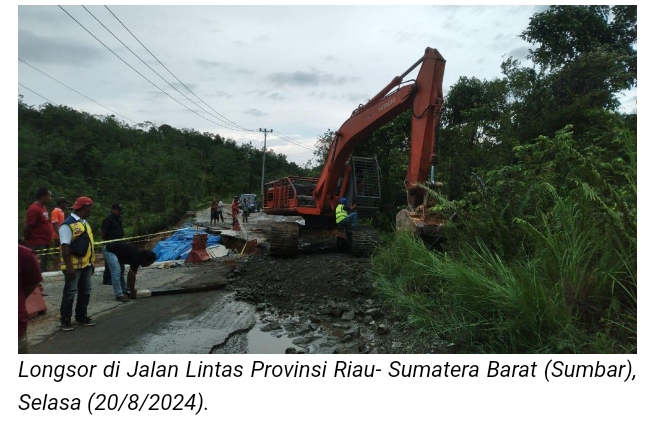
337	311
374	312
304	330
291	350
271	326
382	329
348	315
353	332
290	322
302	340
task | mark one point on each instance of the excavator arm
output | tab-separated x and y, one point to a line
357	178
423	97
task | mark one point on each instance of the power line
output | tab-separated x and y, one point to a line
282	136
138	72
36	93
176	78
152	69
295	143
63	84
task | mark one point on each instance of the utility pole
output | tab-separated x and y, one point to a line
265	139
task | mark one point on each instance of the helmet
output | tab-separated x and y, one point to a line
343	200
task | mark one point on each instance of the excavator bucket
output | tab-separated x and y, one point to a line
424	224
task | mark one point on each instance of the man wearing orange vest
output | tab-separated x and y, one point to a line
77	263
57	217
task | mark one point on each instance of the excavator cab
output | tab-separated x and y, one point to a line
363	185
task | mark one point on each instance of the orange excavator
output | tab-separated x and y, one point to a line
358	178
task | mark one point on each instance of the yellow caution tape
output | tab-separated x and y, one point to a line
143	238
242	227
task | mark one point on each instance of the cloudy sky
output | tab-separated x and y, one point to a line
232	70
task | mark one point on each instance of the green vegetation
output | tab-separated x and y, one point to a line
539	166
562	280
156	173
541	170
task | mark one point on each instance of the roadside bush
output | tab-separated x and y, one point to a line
569	282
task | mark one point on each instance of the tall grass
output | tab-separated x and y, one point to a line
572	290
486	305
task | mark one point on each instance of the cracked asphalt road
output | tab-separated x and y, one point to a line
183	322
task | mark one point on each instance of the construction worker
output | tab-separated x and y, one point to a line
37	228
218	214
117	254
57	217
214	211
78	256
29	277
345	217
234	211
112	230
245	209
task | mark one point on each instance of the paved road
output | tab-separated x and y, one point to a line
185	322
196	315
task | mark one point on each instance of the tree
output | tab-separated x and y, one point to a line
475	131
157	173
323	144
566	33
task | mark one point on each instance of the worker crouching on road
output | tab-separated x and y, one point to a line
345	217
116	255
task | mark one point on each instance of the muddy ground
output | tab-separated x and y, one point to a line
322	300
327	300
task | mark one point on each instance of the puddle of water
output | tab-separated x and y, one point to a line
259	342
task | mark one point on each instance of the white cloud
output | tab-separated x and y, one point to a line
298	69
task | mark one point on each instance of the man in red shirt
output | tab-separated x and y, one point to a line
29	276
214	211
234	211
37	229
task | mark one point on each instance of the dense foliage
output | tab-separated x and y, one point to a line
156	173
540	168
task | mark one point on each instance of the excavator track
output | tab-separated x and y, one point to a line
284	239
364	241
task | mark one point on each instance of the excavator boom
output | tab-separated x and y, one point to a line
424	97
315	199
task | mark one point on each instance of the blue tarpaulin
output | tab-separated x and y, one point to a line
177	246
